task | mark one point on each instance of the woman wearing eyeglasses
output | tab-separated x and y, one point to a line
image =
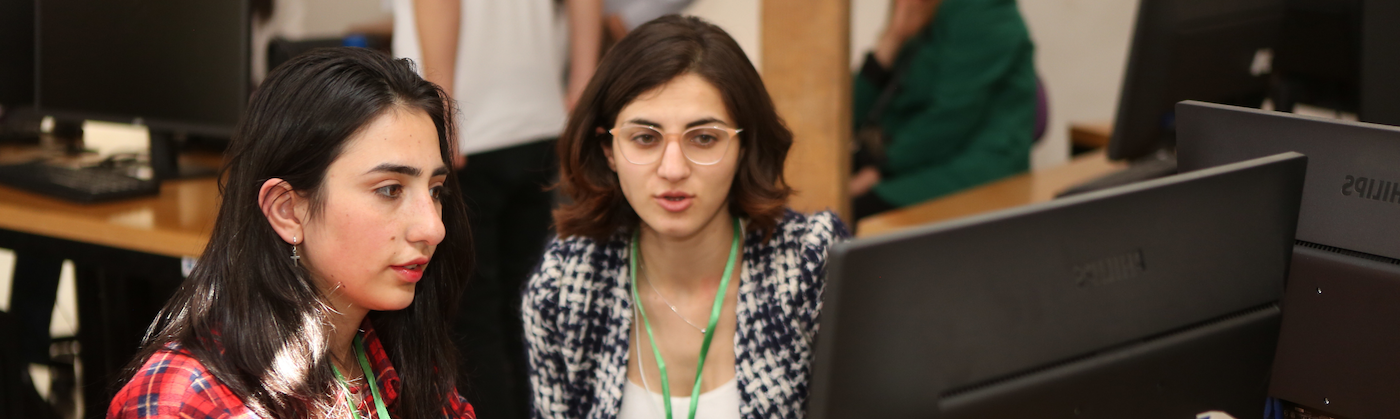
680	285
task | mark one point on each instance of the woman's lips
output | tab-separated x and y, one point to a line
410	273
675	202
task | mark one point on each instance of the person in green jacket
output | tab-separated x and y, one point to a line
959	102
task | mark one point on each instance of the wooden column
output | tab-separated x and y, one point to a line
806	66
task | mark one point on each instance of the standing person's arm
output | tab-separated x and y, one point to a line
585	46
439	22
907	18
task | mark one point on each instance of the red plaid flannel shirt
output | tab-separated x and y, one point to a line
172	384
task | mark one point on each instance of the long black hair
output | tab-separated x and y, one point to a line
256	320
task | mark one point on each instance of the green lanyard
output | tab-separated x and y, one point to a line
709	330
369	378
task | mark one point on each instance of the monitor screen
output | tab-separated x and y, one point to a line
16	54
173	64
912	321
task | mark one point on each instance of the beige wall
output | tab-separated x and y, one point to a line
331	18
1081	51
737	17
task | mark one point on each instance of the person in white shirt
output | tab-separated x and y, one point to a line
513	74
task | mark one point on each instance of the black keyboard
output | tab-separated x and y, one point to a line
86	185
1145	169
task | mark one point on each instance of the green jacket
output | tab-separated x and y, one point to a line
965	110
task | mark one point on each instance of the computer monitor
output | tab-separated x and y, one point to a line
1317	60
16	55
1190	49
1149	300
1380	62
1341	325
176	66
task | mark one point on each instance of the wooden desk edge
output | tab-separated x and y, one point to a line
166	243
1091	135
1038	186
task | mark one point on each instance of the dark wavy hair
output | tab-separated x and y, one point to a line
648	57
246	304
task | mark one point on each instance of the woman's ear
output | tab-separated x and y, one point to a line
284	208
607	149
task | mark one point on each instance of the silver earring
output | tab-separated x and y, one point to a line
296	259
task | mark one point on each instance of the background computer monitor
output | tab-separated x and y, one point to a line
1340	55
1118	299
1190	49
1341	324
176	66
16	55
1380	62
1317	60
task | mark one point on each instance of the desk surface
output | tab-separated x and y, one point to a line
1027	188
1090	134
175	223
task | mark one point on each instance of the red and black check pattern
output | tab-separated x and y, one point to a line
172	384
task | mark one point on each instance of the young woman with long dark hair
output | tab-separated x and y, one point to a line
335	261
680	284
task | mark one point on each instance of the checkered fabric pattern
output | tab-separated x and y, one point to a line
578	311
172	384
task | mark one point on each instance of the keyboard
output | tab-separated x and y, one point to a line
86	185
1152	167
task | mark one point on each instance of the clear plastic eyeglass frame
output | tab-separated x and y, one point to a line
691	148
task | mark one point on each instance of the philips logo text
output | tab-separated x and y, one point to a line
1373	189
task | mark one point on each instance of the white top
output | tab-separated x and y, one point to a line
509	73
636	12
719	403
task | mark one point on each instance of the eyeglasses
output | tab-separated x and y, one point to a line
643	144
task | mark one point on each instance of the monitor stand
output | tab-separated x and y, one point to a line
165	159
1161	163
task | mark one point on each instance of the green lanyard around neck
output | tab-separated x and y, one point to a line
369	379
709	330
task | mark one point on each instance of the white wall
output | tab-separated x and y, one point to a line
330	18
737	17
1081	49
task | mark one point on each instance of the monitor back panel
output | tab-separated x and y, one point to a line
1338	348
910	315
1351	197
1213	367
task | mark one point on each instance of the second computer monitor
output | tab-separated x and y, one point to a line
175	65
1149	300
1341	327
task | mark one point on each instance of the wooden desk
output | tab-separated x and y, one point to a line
127	256
175	223
1090	135
1027	188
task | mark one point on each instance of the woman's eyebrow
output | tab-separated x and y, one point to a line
692	124
705	121
398	168
405	170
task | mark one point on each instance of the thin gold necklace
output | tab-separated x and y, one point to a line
668	302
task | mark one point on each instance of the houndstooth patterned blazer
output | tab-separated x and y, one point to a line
578	312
